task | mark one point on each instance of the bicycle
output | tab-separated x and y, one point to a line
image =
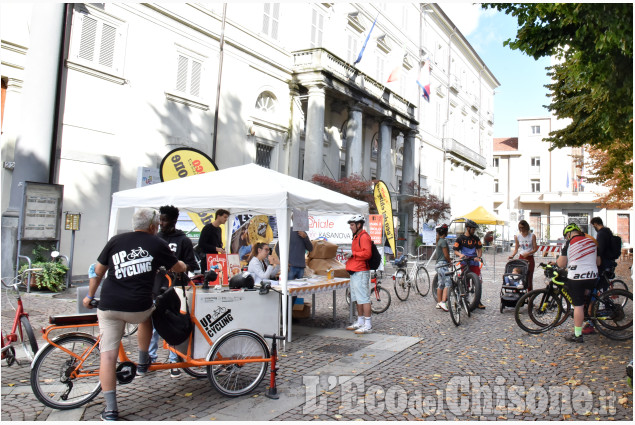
379	297
417	276
609	311
65	373
21	330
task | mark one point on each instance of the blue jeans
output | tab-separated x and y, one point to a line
154	345
296	272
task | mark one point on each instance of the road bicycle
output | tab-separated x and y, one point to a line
405	278
65	372
21	330
611	311
379	297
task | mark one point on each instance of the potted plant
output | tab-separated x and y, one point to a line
53	274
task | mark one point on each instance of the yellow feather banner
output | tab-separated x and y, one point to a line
384	207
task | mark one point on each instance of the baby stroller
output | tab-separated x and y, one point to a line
514	283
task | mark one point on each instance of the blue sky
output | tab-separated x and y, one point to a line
522	78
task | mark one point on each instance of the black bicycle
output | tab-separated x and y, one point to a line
611	311
457	293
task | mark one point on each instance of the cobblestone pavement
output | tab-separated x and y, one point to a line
415	366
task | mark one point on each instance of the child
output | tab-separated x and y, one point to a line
515	279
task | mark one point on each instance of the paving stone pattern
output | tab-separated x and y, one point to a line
488	347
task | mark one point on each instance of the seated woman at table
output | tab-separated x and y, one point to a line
257	265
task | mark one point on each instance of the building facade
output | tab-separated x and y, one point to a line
115	86
547	188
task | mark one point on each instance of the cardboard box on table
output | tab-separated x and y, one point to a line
321	265
323	249
220	312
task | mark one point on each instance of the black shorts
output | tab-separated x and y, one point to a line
577	289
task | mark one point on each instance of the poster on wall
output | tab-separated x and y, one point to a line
219	260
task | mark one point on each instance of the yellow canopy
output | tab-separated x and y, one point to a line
481	216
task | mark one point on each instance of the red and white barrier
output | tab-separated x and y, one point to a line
549	250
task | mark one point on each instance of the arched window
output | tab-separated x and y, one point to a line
266	103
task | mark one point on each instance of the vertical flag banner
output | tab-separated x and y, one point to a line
384	207
395	74
361	52
424	81
183	162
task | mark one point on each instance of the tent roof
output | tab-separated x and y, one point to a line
246	189
481	216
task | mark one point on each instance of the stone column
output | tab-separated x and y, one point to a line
354	145
297	122
314	142
385	162
408	175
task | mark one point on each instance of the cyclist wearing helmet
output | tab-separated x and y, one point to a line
357	267
579	256
469	245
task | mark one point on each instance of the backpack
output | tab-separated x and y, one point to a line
375	258
614	250
171	325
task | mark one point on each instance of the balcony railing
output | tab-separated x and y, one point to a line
460	150
322	60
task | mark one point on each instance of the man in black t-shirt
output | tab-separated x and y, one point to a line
469	245
604	236
131	260
211	239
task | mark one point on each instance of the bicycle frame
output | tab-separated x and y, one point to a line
12	337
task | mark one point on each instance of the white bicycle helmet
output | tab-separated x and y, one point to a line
357	219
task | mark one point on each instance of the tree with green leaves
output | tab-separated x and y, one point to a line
592	79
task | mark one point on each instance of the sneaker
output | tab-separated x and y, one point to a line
110	415
443	306
142	369
521	286
439	305
175	373
363	330
354	327
573	338
588	329
481	306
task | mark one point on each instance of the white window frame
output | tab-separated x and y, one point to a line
535	130
317	27
353	46
271	20
381	67
535	185
496	186
77	60
186	95
496	161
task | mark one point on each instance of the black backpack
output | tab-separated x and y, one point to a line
614	250
375	258
171	325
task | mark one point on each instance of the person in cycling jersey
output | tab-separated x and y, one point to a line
579	256
357	266
469	245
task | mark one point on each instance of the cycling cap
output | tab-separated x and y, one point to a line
470	223
570	228
357	219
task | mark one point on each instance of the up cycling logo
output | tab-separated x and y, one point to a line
216	321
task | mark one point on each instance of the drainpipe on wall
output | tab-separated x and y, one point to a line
220	73
447	118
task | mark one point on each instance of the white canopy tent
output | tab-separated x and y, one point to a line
246	189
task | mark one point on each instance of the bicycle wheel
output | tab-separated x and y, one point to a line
472	290
235	379
198	372
422	281
348	296
463	299
543	311
27	338
435	285
379	300
51	379
402	288
618	284
612	314
130	329
454	306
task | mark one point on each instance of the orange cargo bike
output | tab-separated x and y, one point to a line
65	372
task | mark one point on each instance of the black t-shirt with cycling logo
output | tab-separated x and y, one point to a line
132	259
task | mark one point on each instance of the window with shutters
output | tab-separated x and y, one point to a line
263	155
317	28
97	43
185	85
270	19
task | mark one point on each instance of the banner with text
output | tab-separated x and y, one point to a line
384	207
375	229
333	228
